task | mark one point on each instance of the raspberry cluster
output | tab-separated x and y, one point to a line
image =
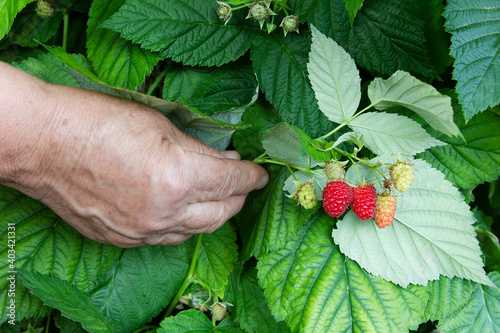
363	199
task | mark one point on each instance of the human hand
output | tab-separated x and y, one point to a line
121	173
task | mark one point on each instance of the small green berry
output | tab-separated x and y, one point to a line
306	195
44	9
290	23
334	170
402	175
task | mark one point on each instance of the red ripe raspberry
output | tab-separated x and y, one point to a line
337	196
386	207
364	201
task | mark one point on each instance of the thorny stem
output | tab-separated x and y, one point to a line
187	280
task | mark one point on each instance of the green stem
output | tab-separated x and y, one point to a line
345	123
309	171
157	80
187	280
65	28
48	324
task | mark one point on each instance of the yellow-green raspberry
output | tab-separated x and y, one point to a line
402	175
44	9
334	170
306	195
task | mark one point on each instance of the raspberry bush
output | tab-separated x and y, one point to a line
329	96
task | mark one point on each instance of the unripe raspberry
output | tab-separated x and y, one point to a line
386	208
337	195
44	9
402	175
290	23
259	11
306	195
364	201
334	170
219	311
224	11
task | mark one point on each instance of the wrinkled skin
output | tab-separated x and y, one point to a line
117	171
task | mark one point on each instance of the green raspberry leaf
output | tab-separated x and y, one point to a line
216	258
250	308
431	235
334	78
480	314
315	288
447	295
270	219
475	29
470	163
385	37
402	89
387	133
48	245
187	31
116	60
196	321
352	7
283	142
8	11
140	284
72	303
280	64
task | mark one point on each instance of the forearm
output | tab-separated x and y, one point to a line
25	115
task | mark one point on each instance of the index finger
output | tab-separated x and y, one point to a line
213	178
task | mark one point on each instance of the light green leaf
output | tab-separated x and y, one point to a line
48	245
49	68
196	321
140	285
280	64
480	314
186	82
8	12
270	219
334	78
187	31
402	89
250	308
116	60
387	133
216	257
446	295
470	163
283	142
72	303
475	45
314	288
352	7
431	235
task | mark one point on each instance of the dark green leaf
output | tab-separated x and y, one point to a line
49	68
216	258
8	11
446	295
196	321
250	308
117	61
187	31
140	285
480	314
475	45
477	160
314	288
283	142
248	141
352	7
386	36
270	218
48	245
72	303
281	67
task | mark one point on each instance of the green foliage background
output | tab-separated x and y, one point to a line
275	263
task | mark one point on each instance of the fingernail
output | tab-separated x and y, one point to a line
232	154
263	182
